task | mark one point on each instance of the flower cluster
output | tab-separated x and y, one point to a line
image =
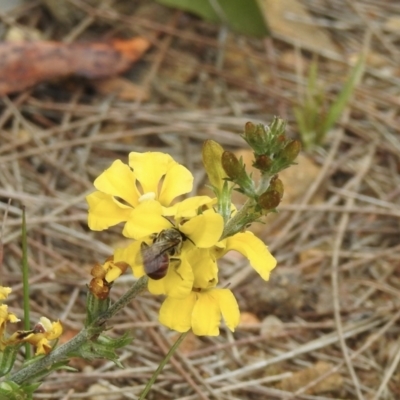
176	243
40	336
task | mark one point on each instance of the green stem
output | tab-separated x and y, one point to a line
245	215
25	285
85	335
139	286
162	365
59	354
239	220
264	183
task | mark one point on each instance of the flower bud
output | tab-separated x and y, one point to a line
291	150
277	185
212	153
249	128
262	162
269	200
231	165
256	136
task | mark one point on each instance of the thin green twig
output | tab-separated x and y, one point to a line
25	280
61	353
162	365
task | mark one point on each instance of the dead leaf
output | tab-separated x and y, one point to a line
281	19
25	64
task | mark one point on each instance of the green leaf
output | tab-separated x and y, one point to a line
103	348
7	358
345	95
11	391
242	16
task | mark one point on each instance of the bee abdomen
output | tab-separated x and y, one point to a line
160	268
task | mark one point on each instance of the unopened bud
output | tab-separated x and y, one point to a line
212	153
256	136
281	138
262	162
277	185
249	128
231	165
269	200
291	150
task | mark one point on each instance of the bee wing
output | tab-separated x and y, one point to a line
154	257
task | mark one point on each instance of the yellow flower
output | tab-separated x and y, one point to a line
4	292
252	248
201	311
202	308
104	275
5	317
40	336
199	232
123	188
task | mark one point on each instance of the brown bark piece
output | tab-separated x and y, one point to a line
27	63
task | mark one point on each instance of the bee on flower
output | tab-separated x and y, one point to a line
176	243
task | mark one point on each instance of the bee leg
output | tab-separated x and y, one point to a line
177	262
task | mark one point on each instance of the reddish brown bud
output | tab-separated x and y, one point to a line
231	165
281	138
269	200
262	162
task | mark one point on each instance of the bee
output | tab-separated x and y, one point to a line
157	256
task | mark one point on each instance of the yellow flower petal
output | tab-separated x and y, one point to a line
119	181
177	181
188	208
104	211
112	274
228	306
131	256
206	315
204	267
55	331
254	250
4	292
176	314
177	283
145	220
13	318
42	347
204	229
149	168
